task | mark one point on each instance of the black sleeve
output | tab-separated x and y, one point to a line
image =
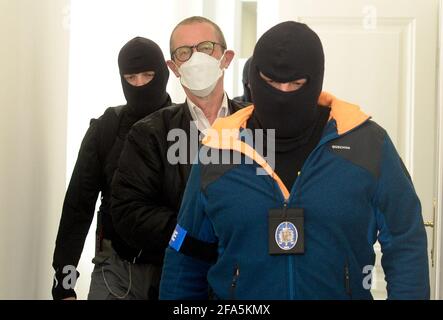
137	212
78	211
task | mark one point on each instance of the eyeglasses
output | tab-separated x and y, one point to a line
184	53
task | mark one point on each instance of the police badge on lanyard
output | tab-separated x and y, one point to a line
286	231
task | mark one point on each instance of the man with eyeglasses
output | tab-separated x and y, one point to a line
148	186
198	57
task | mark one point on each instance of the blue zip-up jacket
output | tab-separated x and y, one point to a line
354	190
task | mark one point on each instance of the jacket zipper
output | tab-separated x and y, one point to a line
323	141
290	263
234	281
348	281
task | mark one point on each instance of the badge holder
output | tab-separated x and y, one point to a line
286	231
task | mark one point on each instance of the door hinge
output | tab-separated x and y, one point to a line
431	224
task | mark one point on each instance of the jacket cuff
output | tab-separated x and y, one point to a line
58	291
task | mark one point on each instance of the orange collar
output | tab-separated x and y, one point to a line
225	131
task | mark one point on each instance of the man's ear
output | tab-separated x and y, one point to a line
227	59
173	68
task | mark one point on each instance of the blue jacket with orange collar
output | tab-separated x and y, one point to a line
354	190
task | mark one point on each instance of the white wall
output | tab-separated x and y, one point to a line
33	106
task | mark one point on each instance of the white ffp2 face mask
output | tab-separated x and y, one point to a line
200	74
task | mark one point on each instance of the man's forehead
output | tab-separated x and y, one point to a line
193	33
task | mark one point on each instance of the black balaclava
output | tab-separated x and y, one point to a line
289	51
140	55
245	80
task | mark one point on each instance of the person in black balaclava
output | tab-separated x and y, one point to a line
286	78
142	55
120	272
246	97
249	232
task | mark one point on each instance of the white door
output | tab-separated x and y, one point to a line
381	55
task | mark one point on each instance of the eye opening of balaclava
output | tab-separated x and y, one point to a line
289	51
141	55
295	78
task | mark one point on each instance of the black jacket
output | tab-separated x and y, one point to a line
147	189
92	175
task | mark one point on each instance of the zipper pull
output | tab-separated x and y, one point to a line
138	256
285	208
236	275
348	280
234	281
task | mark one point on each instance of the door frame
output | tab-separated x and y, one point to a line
439	209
